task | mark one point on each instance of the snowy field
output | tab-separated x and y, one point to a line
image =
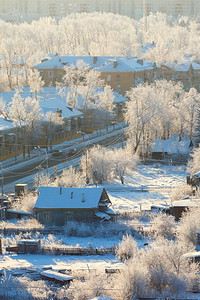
147	185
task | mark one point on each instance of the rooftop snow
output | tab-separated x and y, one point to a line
68	198
172	146
5	124
184	67
103	63
49	101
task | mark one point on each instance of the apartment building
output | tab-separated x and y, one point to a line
28	10
121	73
188	73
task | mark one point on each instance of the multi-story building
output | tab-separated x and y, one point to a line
187	73
28	10
121	73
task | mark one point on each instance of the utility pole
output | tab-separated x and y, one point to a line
47	164
86	165
1	179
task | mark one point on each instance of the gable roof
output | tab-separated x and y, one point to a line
69	198
172	146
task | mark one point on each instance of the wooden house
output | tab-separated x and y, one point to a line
175	148
57	205
180	206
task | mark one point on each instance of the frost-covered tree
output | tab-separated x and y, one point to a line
35	82
189	110
127	248
52	122
70	178
105	103
189	226
32	119
16	113
193	163
163	225
197	127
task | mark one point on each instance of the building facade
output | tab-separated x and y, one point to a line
121	73
29	10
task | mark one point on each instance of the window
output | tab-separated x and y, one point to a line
118	78
50	74
108	78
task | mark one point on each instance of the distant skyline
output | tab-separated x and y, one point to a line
29	10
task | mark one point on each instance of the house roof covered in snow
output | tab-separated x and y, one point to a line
49	100
182	67
69	198
5	124
172	145
101	63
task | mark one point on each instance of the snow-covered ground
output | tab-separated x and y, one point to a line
147	185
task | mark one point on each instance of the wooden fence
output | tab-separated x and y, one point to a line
78	250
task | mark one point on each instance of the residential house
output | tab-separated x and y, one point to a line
8	135
121	73
57	205
50	101
188	73
174	148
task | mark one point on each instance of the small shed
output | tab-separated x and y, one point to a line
28	246
17	214
175	147
57	206
56	276
180	206
192	256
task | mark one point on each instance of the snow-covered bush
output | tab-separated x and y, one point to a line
132	282
92	285
21	224
179	192
163	225
26	203
42	179
103	230
127	249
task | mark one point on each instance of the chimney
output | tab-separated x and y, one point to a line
71	195
140	61
60	190
95	58
115	64
83	197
